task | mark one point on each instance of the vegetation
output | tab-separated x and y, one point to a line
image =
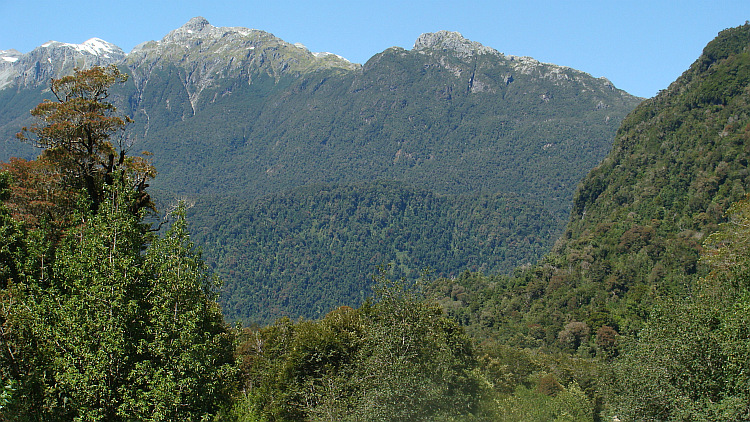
397	358
639	313
313	249
99	319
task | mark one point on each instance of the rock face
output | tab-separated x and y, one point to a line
201	51
452	41
199	54
53	60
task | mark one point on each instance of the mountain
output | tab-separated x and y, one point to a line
640	217
235	115
54	59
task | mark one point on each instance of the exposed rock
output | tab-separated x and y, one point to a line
451	41
55	59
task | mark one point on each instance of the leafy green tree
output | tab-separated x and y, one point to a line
190	371
12	238
417	364
122	329
100	319
397	358
690	361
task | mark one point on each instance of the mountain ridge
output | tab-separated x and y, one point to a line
236	115
198	29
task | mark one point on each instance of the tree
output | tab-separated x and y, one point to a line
100	319
39	192
191	371
12	237
417	363
395	359
122	326
83	135
690	361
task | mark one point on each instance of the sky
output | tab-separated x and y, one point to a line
641	46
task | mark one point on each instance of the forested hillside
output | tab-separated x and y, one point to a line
638	219
307	251
233	116
629	260
640	312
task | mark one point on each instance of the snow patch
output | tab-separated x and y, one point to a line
325	54
94	46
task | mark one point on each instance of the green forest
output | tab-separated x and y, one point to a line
312	249
108	310
441	160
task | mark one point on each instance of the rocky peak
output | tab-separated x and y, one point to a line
195	24
195	27
53	60
91	47
206	54
9	56
451	41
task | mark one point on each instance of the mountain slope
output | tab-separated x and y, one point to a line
434	116
235	115
638	219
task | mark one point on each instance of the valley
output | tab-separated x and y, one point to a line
441	233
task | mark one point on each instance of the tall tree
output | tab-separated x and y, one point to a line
83	134
121	326
100	319
397	359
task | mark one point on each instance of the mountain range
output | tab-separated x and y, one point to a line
240	122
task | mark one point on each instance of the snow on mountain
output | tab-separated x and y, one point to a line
54	59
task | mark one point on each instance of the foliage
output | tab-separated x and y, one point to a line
310	250
12	242
691	359
568	405
76	134
397	358
93	334
40	192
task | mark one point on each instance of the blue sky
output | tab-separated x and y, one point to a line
641	46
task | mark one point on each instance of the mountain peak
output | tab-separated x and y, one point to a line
451	41
93	46
196	24
9	56
193	27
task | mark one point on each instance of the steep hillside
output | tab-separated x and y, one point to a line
638	219
234	115
309	250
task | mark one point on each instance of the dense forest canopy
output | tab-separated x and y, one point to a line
312	249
